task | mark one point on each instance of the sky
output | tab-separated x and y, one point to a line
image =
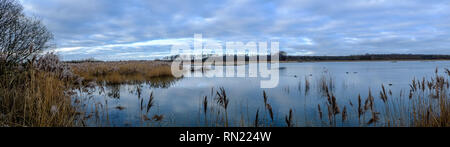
147	29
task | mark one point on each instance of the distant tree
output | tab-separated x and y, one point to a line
20	36
283	55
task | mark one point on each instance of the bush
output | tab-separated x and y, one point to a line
21	37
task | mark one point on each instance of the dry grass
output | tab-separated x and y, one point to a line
288	119
223	101
35	95
121	72
431	105
40	102
427	106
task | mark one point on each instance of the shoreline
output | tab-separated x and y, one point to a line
392	60
338	61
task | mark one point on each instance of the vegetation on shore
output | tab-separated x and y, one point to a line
367	57
284	57
121	72
36	94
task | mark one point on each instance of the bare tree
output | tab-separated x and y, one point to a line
20	36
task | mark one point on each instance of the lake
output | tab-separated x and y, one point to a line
180	101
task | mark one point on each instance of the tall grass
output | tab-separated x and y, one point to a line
35	94
431	105
223	101
121	72
427	106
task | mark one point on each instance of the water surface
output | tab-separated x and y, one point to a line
180	100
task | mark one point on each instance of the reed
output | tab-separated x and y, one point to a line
223	101
307	84
205	104
257	118
205	108
269	108
333	108
121	72
288	119
265	98
344	114
34	94
383	94
430	108
360	109
320	111
326	83
151	102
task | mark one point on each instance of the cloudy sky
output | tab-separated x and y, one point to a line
146	29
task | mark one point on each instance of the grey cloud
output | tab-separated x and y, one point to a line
316	27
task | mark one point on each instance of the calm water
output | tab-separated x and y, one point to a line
180	100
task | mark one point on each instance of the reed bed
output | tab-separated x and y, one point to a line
36	94
426	106
430	101
122	72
